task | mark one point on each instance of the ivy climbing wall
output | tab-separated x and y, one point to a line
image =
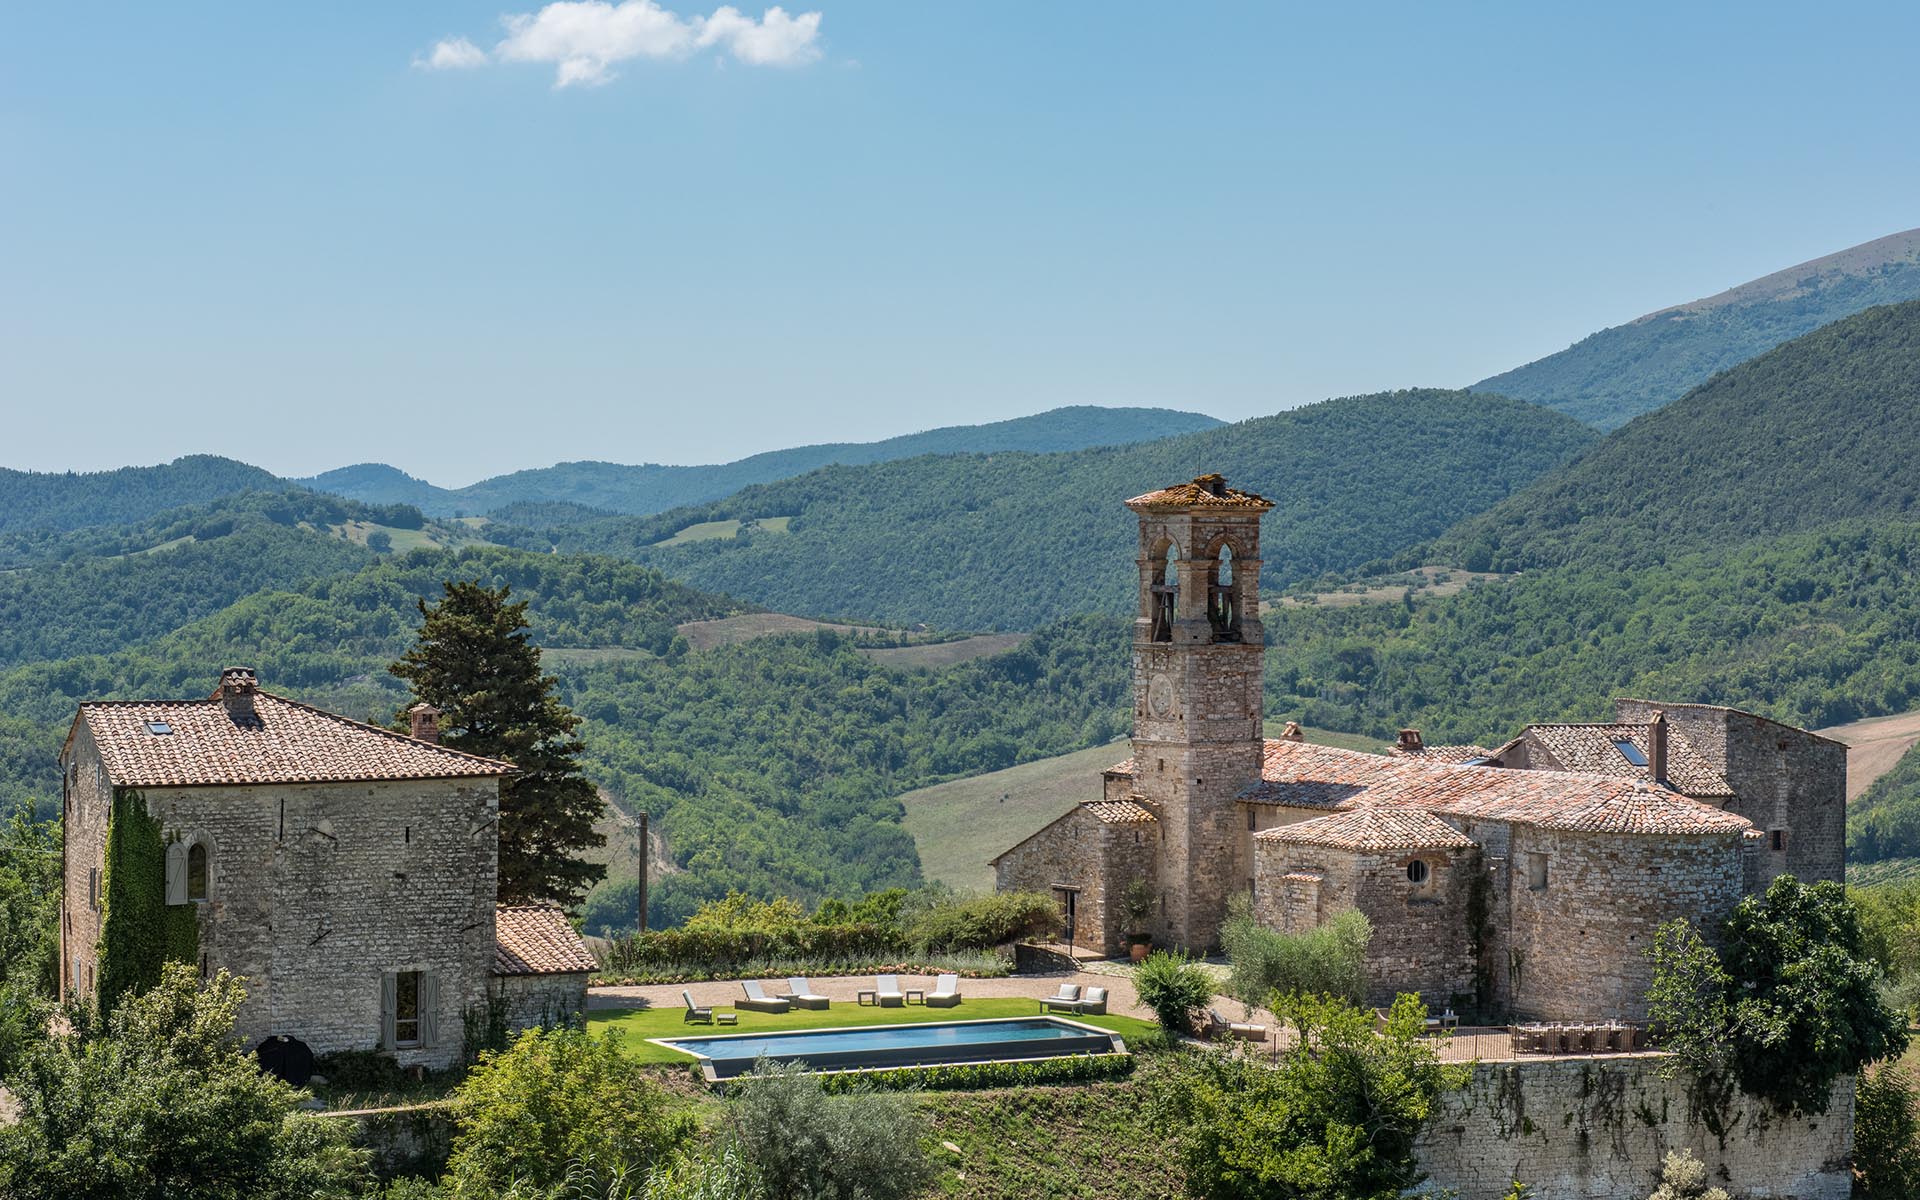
1597	1129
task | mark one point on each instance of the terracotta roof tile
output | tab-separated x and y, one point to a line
1445	754
1206	491
1123	767
1119	812
1375	828
535	939
283	741
1306	776
1594	749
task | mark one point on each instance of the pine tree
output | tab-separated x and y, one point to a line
474	661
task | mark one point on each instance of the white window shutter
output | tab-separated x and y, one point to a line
429	1009
177	873
389	1004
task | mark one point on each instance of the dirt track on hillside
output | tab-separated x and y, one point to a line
1873	746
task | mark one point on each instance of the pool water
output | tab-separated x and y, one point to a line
899	1045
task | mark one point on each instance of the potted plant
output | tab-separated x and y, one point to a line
1136	909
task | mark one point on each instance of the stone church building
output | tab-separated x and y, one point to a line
345	872
1526	879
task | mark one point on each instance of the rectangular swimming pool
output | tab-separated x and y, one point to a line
910	1045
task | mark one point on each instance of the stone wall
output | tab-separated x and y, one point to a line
1576	948
88	803
317	891
1095	859
1785	780
541	1001
1420	934
1597	1129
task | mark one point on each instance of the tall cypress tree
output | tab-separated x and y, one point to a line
475	662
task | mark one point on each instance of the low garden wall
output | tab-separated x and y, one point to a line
1598	1129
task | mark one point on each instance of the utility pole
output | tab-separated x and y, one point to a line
641	924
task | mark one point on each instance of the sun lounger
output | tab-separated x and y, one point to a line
800	994
1093	1003
1067	999
1219	1027
945	993
887	993
704	1015
758	1001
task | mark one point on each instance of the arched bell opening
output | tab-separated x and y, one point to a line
1223	595
1163	593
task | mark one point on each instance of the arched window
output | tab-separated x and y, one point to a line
1418	872
1165	592
1223	597
197	871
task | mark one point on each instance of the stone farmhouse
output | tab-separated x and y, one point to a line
1526	879
347	873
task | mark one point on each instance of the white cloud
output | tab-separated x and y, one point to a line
586	39
453	54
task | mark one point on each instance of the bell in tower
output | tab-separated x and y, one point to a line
1197	684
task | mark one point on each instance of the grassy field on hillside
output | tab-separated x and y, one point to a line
636	1025
958	825
713	531
1426	583
945	654
728	631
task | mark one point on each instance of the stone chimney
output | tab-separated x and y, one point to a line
1292	733
424	722
1657	747
1410	742
1213	485
237	688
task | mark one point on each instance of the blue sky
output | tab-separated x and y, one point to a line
272	231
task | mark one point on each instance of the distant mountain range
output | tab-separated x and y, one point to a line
653	488
1014	541
1612	376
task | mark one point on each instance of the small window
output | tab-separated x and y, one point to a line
93	888
1779	840
406	1009
197	872
1250	821
1537	872
1418	872
159	728
1630	752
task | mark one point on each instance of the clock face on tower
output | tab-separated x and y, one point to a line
1159	696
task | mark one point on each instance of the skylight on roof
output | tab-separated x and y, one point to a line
159	728
1630	752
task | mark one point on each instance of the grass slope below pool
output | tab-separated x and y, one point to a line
636	1025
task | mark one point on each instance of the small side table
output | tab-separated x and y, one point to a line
727	1018
867	996
920	992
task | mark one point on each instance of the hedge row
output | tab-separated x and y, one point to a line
725	949
1043	1072
973	966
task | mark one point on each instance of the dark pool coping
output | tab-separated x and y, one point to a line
852	1059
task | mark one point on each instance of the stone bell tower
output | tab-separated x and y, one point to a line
1197	683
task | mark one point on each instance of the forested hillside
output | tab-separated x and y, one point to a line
1015	541
35	500
770	766
1822	429
1614	375
653	488
1814	628
1884	823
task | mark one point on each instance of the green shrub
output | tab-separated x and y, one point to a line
160	1101
1684	1177
721	1174
1174	987
1327	961
983	921
559	1100
804	1144
1886	1134
961	1077
724	952
972	965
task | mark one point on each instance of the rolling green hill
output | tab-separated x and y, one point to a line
652	488
1614	375
1824	428
32	500
1013	541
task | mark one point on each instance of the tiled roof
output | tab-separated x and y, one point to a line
282	741
1382	828
535	939
1445	754
1307	776
1118	812
1124	767
1206	491
1593	749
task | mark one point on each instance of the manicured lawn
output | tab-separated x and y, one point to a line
636	1025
